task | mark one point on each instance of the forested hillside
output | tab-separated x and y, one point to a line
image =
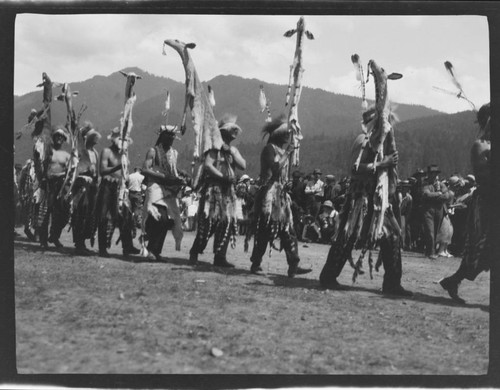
329	122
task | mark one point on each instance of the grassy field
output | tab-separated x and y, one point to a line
123	315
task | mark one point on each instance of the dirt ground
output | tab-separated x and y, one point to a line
123	315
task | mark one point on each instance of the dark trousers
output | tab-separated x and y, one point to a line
390	254
288	241
432	218
57	211
108	217
156	231
136	205
222	232
83	216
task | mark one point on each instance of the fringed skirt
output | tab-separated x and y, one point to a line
217	211
273	211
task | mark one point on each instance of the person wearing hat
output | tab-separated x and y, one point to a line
216	212
356	222
56	162
84	193
417	182
273	213
189	207
331	190
405	208
434	197
243	203
477	254
327	221
315	189
107	213
135	188
161	210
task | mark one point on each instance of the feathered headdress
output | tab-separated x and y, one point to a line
228	123
277	126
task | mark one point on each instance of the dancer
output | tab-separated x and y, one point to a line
83	221
369	215
56	163
217	207
476	256
107	213
273	212
161	210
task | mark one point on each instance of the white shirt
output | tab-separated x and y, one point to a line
134	181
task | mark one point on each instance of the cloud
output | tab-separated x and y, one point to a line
77	47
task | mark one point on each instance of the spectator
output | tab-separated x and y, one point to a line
445	233
327	222
416	217
314	192
406	212
241	203
332	189
135	194
434	196
189	205
311	231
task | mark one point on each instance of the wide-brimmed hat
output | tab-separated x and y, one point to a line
244	177
228	123
433	168
328	203
317	171
471	178
330	177
454	180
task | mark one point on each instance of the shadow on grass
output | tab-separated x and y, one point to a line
204	266
312	284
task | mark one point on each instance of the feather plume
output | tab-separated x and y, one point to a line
461	95
167	101
360	77
262	99
451	70
211	96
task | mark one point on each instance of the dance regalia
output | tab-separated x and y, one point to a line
161	209
217	211
273	216
108	216
356	223
84	192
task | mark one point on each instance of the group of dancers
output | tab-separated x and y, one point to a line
93	206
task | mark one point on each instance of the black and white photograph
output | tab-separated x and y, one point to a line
292	193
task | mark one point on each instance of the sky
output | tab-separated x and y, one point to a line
73	48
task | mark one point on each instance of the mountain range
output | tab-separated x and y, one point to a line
329	122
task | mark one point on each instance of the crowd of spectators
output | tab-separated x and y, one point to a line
432	210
